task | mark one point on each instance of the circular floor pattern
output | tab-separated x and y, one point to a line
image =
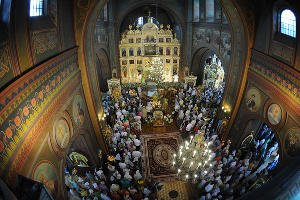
163	155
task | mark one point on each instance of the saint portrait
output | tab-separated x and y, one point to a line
274	114
123	52
62	133
131	52
161	51
176	51
45	173
168	51
292	142
253	99
78	110
139	51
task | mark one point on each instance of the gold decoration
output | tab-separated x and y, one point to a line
144	48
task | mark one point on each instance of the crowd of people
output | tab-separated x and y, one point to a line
121	175
197	111
232	173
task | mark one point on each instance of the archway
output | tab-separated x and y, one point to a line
103	69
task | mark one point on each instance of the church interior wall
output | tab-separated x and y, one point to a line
28	41
38	64
271	82
267	38
34	109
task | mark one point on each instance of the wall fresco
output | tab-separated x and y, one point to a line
253	99
211	36
292	142
22	103
78	110
46	173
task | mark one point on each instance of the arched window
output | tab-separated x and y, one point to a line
288	23
37	8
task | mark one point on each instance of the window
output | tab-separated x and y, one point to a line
37	8
140	21
288	23
105	13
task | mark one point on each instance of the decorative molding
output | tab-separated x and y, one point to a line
279	74
23	101
261	81
34	132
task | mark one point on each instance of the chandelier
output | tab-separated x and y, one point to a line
193	160
156	71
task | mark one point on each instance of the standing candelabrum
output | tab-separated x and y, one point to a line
193	159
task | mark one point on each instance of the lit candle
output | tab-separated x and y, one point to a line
191	138
187	176
183	160
199	164
179	170
191	164
194	153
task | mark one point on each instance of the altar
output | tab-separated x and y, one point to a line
149	54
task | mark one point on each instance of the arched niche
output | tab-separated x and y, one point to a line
82	142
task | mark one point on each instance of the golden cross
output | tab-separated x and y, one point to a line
149	13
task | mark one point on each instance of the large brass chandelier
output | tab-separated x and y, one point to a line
193	160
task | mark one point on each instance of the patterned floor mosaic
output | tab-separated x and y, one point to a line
158	154
180	187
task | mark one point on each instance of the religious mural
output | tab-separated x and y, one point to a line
62	133
253	99
292	142
45	173
274	114
78	110
215	38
